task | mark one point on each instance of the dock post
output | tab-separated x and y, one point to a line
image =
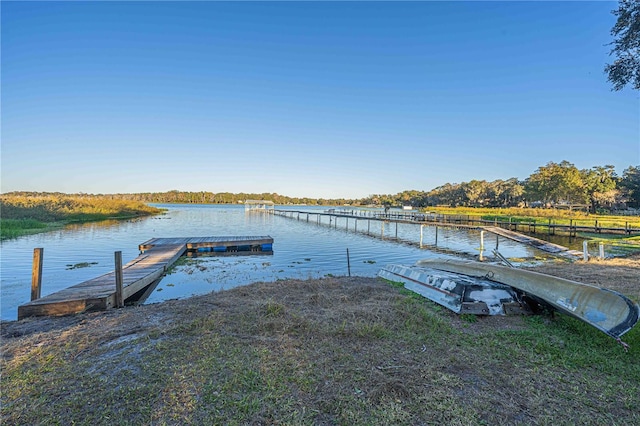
421	228
396	230
585	251
119	295
348	263
480	257
601	249
436	236
368	226
36	273
355	226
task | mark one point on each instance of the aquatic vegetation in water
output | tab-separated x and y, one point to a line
81	265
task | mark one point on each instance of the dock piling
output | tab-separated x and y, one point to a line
119	279
36	273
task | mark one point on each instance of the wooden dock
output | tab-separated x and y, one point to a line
156	257
556	249
421	220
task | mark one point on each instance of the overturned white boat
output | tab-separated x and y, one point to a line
606	310
462	294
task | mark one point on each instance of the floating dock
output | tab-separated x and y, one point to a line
156	257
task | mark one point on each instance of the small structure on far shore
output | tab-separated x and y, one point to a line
262	205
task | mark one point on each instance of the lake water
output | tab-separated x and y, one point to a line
301	249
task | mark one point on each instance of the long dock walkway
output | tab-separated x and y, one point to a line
156	257
421	220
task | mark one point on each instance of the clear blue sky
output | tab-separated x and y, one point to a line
322	99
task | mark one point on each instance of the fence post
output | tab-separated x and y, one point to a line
601	249
570	227
119	295
585	250
36	273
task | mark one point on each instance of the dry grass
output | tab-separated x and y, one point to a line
330	351
620	274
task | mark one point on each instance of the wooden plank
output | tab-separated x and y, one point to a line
55	308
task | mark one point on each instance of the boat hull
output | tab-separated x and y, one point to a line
459	293
606	310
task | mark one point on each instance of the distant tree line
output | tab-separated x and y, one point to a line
188	197
552	185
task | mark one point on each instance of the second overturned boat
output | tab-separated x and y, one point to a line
606	310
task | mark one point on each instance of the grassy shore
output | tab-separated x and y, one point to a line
23	215
333	351
543	216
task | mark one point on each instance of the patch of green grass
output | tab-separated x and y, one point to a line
13	228
273	309
469	318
